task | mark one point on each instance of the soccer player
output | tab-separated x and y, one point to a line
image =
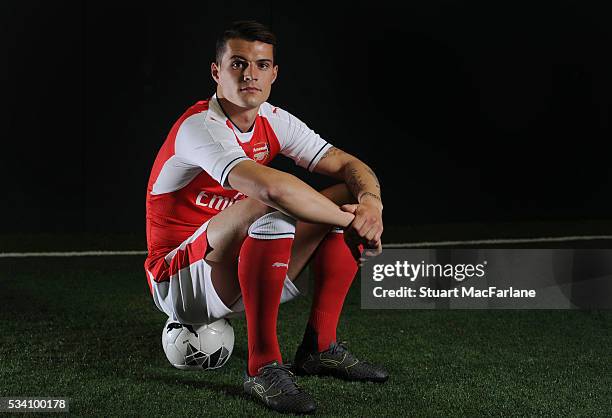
227	233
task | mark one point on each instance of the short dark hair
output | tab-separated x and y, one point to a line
249	30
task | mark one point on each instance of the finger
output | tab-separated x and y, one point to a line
379	249
370	252
365	231
370	236
349	208
375	250
377	235
358	224
368	224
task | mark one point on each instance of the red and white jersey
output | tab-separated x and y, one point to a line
188	183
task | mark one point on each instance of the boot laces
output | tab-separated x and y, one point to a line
281	376
341	348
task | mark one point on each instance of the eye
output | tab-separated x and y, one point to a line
264	65
237	64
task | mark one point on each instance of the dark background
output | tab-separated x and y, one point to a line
468	111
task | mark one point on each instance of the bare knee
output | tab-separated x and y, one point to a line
255	210
228	229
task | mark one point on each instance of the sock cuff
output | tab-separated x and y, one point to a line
275	225
290	291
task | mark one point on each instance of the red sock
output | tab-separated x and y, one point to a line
334	269
261	272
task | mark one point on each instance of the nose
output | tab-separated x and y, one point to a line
248	74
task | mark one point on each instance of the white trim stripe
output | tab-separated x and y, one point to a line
390	245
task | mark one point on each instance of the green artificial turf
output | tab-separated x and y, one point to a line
86	328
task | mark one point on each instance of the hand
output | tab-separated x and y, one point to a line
361	247
360	253
368	224
376	250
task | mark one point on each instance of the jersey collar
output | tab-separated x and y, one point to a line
215	100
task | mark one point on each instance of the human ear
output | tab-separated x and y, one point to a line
214	71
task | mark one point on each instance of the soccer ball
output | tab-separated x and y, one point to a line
198	347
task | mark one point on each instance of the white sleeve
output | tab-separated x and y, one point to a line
299	142
209	144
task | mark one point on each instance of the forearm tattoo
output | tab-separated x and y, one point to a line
333	151
354	180
356	184
376	182
371	195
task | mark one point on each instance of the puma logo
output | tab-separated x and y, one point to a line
280	265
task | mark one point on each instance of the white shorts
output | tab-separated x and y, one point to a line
189	297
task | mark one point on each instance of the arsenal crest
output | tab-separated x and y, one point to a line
260	151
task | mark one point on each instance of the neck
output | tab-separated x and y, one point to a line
242	118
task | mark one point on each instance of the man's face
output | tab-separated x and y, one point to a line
246	72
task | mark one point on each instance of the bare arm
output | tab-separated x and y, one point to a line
364	185
360	179
286	193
